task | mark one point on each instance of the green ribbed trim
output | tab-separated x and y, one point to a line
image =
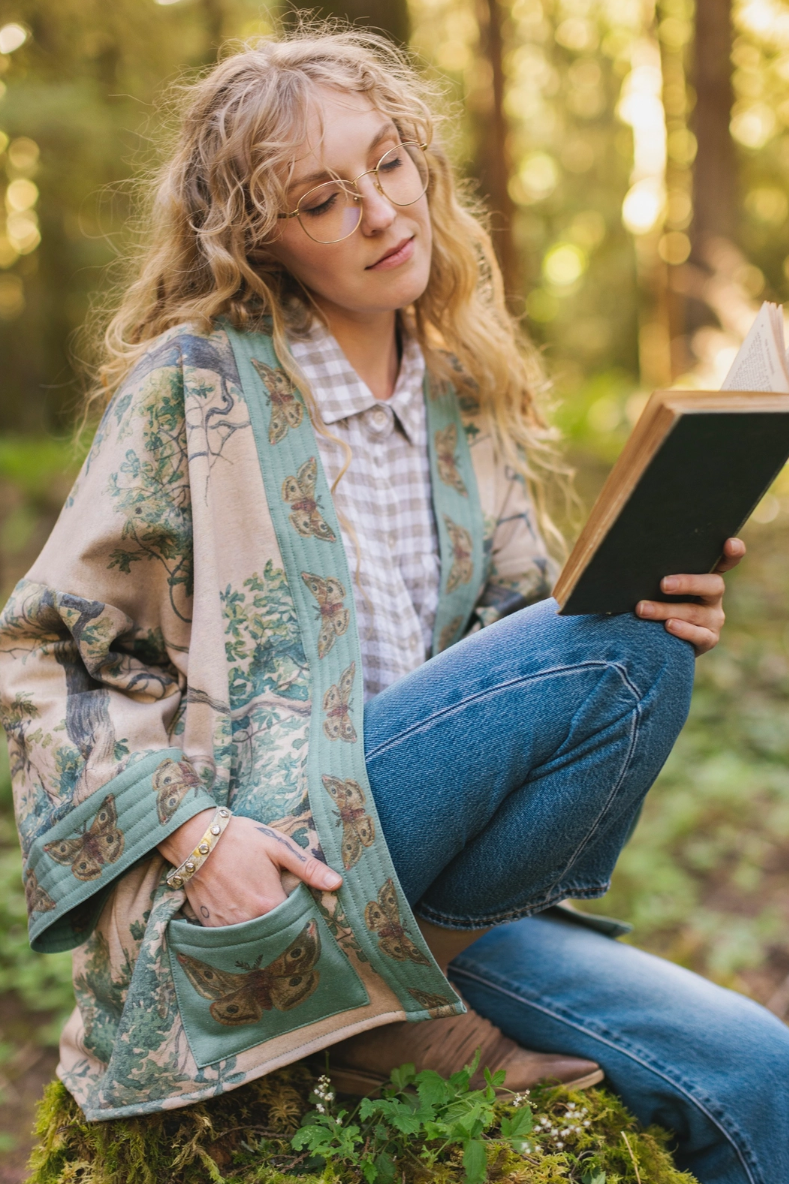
282	450
134	799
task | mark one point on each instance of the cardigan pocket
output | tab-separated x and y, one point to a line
241	985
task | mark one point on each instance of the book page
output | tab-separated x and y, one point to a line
761	364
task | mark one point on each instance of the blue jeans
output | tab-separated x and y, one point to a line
508	773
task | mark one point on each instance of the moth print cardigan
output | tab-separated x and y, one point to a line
187	638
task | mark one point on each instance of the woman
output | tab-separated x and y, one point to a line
229	831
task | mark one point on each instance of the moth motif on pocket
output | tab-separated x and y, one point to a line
446	443
91	851
38	901
242	998
382	917
332	614
305	515
358	828
462	568
172	781
338	724
439	1006
287	409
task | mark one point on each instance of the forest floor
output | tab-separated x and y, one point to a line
703	881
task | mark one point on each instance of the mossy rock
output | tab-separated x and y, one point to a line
244	1136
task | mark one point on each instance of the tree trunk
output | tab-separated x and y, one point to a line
714	176
493	170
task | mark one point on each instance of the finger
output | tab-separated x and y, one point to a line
701	639
711	586
706	616
733	552
285	853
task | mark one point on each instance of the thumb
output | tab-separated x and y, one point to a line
284	853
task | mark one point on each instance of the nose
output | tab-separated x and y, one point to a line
377	212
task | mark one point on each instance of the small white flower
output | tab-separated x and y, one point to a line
321	1109
587	1123
560	1145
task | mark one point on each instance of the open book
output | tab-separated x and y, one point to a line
694	468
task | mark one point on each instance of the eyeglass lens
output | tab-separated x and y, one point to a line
332	211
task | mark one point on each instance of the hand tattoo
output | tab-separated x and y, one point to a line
204	911
273	834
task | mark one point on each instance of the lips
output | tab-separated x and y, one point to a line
395	255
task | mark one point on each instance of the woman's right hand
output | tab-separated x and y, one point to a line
241	878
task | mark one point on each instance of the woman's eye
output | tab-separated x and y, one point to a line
394	162
322	207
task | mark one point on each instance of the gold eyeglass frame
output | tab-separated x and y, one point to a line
358	196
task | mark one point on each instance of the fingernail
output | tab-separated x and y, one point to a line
331	879
645	609
669	583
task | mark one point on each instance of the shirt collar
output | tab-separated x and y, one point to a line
340	392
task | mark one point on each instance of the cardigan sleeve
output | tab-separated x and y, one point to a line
93	648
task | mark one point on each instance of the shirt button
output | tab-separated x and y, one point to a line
379	417
391	539
413	641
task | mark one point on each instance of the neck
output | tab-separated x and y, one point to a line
369	342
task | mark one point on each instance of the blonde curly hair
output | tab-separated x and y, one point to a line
213	205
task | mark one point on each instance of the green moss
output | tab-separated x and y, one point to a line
244	1136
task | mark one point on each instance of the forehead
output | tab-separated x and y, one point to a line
338	124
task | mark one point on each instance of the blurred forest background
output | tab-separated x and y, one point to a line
634	155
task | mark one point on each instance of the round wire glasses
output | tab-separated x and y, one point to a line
332	211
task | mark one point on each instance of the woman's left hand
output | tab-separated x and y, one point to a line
699	623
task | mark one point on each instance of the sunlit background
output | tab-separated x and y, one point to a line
635	160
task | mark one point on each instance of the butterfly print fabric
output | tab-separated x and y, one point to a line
446	441
332	614
89	853
305	515
338	724
382	917
358	828
242	998
287	410
172	781
38	901
462	568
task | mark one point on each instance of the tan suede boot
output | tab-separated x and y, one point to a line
362	1064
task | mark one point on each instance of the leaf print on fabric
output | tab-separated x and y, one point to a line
338	724
446	443
439	1006
462	549
153	492
89	853
332	614
38	901
447	634
287	409
305	515
242	998
382	917
172	780
358	828
269	687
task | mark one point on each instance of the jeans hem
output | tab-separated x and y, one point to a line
450	921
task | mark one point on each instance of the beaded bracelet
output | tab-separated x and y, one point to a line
192	864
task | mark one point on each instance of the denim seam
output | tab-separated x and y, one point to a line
622	1048
450	921
512	682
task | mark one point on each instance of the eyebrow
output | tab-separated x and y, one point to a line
325	175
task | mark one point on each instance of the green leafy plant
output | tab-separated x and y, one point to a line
423	1130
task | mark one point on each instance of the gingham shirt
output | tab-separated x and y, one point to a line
385	496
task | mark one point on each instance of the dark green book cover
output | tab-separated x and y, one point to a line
699	488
